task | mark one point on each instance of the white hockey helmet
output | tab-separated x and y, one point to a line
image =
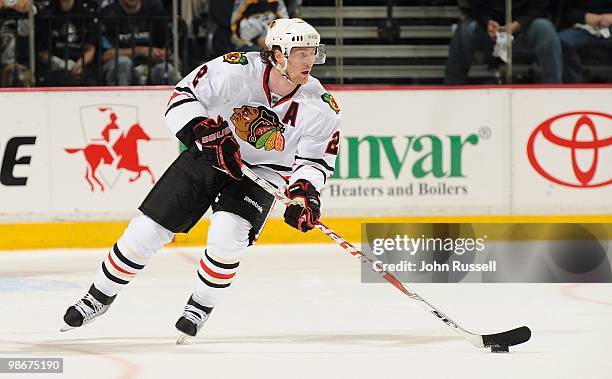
288	33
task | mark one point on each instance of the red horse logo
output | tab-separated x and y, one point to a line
123	152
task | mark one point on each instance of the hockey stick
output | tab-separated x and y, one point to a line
498	342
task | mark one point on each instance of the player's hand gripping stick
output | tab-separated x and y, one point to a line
303	214
218	145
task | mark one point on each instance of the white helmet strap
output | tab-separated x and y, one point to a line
283	69
283	72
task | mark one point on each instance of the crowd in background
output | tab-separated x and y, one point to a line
129	42
118	42
582	24
88	42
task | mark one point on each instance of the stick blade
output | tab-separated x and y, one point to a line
508	338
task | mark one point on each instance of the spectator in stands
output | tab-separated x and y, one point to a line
250	19
13	44
589	24
66	45
532	32
219	31
135	39
294	7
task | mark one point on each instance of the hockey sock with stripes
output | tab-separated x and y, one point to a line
140	241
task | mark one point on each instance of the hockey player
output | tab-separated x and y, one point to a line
263	110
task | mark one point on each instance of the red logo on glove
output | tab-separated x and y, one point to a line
220	134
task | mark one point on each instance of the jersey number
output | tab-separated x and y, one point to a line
199	75
332	147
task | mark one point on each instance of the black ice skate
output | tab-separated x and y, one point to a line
191	321
92	305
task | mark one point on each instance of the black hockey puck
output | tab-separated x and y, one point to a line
499	349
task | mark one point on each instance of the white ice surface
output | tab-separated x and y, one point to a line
296	311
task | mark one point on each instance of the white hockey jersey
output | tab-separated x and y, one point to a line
289	138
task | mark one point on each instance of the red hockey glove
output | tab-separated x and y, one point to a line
218	145
305	216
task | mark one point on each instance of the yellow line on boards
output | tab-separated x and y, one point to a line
104	233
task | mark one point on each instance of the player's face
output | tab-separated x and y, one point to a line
299	65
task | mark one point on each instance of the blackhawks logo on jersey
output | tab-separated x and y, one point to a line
259	126
235	58
329	99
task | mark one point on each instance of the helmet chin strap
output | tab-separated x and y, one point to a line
283	71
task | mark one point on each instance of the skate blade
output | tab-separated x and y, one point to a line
66	328
183	339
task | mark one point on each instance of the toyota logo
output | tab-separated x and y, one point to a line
573	149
